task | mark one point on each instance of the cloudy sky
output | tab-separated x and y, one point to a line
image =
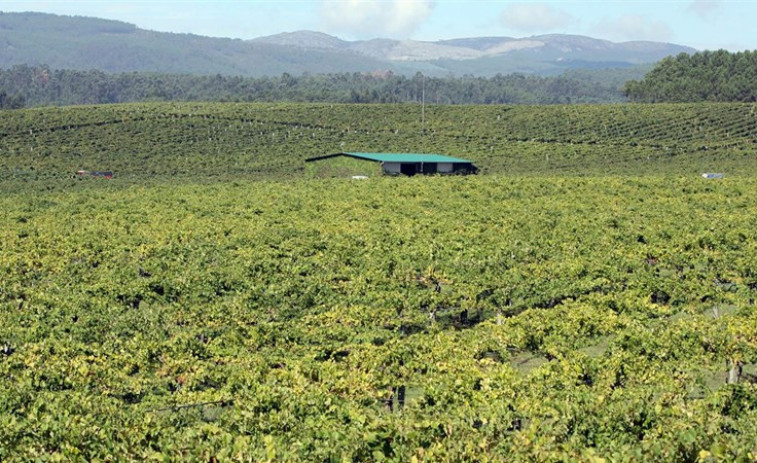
702	24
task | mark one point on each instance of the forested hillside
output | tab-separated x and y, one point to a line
704	76
42	86
82	43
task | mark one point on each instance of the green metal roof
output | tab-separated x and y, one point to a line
406	157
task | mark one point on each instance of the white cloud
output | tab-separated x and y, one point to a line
535	17
635	27
706	8
375	18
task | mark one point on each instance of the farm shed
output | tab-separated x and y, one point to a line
407	163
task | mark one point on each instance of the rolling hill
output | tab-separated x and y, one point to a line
240	140
212	302
65	42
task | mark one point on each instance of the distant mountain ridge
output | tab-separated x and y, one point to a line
65	42
568	47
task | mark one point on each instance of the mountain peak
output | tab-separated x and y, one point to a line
65	42
304	39
556	47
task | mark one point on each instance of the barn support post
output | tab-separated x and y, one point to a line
734	371
400	392
407	163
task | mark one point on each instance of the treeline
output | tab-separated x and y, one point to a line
704	76
11	101
41	86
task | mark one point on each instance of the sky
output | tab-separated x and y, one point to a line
702	24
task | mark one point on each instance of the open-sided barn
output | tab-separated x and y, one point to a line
408	163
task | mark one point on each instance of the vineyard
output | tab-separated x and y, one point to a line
213	303
141	141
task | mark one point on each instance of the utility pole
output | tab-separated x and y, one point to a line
423	107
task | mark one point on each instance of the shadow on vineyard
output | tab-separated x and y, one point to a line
588	297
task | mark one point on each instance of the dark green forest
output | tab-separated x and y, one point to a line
41	86
719	76
16	101
705	76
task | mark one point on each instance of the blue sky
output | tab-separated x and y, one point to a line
702	24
